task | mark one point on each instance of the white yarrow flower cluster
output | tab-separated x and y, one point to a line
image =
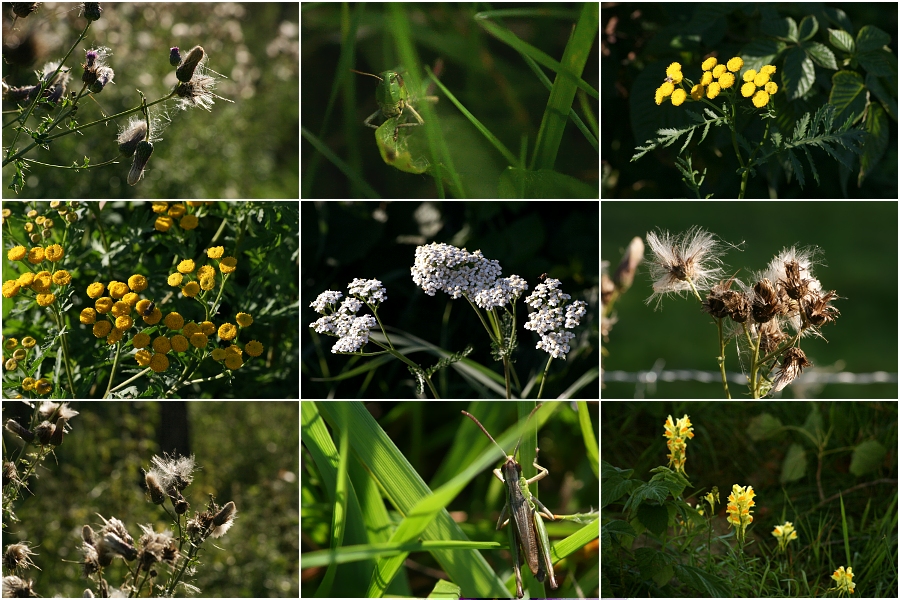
553	317
446	268
368	290
504	291
343	323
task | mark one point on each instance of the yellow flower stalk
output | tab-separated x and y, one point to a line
844	580
740	501
677	434
712	498
784	534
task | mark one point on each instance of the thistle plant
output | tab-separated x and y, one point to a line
177	548
57	111
460	274
766	317
779	99
41	436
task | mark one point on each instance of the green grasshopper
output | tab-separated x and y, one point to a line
395	150
393	98
522	507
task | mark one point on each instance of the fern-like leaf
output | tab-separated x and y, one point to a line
841	143
668	136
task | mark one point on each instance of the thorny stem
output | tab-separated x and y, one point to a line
142	106
40	93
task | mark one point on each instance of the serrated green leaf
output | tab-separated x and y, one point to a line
879	129
841	40
822	55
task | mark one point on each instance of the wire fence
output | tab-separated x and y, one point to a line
806	385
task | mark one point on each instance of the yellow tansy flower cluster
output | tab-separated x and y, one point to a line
761	79
716	77
667	89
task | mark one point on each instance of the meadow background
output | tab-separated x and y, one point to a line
859	245
726	450
245	149
247	453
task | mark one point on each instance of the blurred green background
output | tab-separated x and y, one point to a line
644	38
859	245
247	453
244	149
486	75
371	240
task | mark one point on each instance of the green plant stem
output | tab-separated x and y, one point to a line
82	127
721	357
44	84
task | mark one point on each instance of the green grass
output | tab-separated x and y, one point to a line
829	468
494	93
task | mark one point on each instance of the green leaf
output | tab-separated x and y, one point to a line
841	40
799	73
879	129
763	426
872	38
848	94
707	584
808	28
867	457
821	54
794	465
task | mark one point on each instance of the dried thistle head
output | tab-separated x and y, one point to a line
680	261
723	302
766	302
817	307
17	557
793	362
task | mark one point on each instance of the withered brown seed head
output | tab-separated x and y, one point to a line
766	303
723	302
795	286
770	337
818	309
793	363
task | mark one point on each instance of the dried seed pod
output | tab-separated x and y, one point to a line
791	366
142	153
765	303
185	70
14	426
134	133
